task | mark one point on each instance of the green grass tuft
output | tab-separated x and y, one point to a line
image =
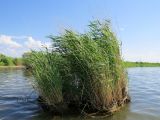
84	68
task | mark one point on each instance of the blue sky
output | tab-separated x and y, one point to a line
25	24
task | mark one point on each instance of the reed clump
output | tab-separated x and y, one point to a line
84	71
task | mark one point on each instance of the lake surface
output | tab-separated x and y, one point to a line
18	98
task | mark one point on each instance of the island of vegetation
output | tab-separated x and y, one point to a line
82	72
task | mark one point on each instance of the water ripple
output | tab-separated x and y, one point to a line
18	99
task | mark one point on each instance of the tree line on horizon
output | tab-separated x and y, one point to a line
10	61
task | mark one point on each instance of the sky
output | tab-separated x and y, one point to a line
26	24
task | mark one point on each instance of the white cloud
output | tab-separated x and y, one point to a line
15	46
8	41
32	43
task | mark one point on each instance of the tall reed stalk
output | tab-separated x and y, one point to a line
86	69
48	80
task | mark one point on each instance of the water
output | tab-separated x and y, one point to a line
18	98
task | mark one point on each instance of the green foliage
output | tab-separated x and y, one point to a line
2	64
48	80
9	61
5	60
18	61
84	68
26	59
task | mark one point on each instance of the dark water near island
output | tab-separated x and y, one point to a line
18	98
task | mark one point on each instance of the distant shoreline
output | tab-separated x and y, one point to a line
12	66
140	64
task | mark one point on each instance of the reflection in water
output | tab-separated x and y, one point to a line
18	99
